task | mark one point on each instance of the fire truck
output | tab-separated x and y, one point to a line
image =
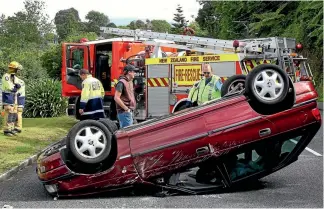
169	65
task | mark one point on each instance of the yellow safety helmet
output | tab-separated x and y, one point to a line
15	65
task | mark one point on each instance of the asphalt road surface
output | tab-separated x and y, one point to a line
298	185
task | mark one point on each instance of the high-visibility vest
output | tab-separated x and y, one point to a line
203	93
8	88
92	96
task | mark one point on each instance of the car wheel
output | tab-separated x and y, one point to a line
89	141
112	127
268	108
233	84
267	84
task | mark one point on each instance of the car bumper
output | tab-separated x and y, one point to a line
51	168
58	179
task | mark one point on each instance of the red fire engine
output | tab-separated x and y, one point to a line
167	70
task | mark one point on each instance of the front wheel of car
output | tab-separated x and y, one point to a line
89	141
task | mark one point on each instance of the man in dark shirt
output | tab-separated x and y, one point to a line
124	97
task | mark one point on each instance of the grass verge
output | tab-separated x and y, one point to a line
36	135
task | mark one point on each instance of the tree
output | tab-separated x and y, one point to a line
180	21
23	38
198	31
160	26
112	25
67	22
95	20
28	25
148	24
139	24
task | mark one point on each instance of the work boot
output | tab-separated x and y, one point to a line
8	133
17	130
14	132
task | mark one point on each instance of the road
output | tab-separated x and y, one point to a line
298	185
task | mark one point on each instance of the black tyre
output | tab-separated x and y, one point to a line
183	105
112	127
236	82
77	106
267	84
286	104
268	109
89	141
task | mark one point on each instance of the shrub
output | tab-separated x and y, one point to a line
44	99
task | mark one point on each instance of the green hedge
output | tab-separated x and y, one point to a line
44	99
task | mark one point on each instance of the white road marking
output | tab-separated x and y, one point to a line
309	150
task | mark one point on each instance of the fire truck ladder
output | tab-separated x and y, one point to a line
195	43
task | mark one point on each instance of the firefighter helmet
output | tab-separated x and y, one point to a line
15	65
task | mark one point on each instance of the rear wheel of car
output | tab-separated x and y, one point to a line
269	89
267	84
233	84
112	127
89	141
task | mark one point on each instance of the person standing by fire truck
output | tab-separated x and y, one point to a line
125	98
208	88
91	102
10	86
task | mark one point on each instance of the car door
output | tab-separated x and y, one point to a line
167	144
235	125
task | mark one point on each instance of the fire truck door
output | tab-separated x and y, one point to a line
75	58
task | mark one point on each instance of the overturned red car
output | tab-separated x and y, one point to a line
245	135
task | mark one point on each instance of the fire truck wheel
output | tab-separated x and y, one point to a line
112	127
267	84
77	105
233	84
89	141
183	105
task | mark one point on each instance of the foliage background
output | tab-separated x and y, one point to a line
32	39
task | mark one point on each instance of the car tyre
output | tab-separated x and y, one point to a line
286	100
112	127
264	90
232	82
85	138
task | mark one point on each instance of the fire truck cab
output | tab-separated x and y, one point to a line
105	59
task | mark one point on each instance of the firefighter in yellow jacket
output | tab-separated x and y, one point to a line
10	88
208	88
91	102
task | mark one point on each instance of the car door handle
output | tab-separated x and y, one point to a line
202	150
264	132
